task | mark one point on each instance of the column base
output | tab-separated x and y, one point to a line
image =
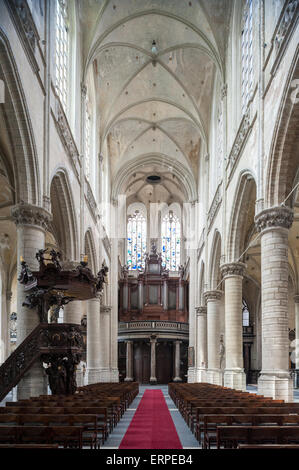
108	375
279	386
191	377
128	379
201	375
153	380
214	376
177	379
93	376
235	379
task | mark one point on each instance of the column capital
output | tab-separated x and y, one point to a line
28	214
212	295
232	269
296	298
201	311
106	309
274	217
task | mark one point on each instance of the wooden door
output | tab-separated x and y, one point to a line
164	362
142	362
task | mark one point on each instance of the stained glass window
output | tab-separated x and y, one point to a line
136	240
171	241
62	52
247	56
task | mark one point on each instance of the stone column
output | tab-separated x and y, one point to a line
153	378
129	362
177	362
201	347
234	375
296	300
140	295
214	374
275	380
32	223
165	294
105	347
181	294
93	341
73	312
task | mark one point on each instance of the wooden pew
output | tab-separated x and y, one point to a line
211	422
66	436
232	436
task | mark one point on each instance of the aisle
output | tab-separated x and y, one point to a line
185	436
152	426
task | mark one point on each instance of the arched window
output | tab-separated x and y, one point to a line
136	240
245	314
171	241
62	52
246	56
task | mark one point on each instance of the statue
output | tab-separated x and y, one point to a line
55	257
102	277
40	257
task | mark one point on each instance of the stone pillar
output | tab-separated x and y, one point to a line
153	378
140	295
32	223
125	296
201	347
177	362
181	294
296	300
105	338
275	380
93	341
214	374
129	362
165	294
73	312
234	375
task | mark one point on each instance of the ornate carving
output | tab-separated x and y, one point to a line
25	26
214	206
27	214
280	216
67	136
201	311
102	277
296	299
286	19
232	269
213	295
240	138
26	276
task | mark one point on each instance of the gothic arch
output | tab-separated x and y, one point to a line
16	115
64	225
283	162
242	216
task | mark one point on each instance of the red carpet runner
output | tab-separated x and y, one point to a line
152	426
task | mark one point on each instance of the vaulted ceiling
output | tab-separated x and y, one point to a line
154	102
